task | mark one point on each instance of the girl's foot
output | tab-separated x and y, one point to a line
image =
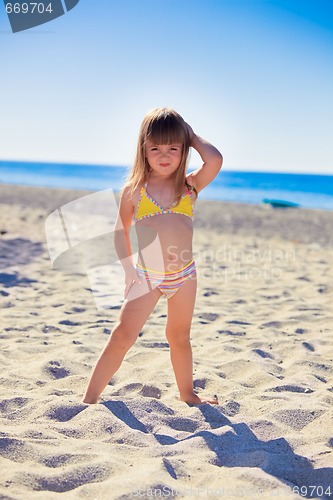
193	399
88	401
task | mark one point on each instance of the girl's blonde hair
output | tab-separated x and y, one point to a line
161	126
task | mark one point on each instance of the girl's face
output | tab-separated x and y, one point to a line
164	159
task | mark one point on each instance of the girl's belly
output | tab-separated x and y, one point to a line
165	245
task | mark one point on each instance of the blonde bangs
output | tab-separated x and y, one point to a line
166	129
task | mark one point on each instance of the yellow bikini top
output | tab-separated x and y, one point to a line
148	207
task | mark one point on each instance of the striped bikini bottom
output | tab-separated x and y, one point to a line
167	283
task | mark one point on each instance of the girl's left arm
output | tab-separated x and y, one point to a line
211	157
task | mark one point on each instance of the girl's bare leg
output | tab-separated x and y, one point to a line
180	313
133	315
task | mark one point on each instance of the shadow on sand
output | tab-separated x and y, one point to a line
238	446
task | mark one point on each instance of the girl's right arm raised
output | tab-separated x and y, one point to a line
211	157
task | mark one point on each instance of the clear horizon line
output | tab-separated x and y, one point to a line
105	165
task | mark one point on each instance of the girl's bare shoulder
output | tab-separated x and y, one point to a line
132	196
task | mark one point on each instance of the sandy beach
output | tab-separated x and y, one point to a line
261	339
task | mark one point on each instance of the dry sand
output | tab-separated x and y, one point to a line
261	338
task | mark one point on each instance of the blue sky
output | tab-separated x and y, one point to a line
254	77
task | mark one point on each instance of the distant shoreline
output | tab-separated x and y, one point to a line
301	225
313	191
126	167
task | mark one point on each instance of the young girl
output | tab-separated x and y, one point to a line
160	196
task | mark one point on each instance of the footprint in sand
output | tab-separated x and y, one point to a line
263	354
55	370
54	461
200	383
49	329
150	391
69	480
158	345
210	292
297	419
231	408
183	424
128	389
16	450
9	406
229	332
208	317
69	323
290	388
64	412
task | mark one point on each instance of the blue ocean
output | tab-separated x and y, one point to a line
306	190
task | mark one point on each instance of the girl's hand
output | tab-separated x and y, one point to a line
131	277
190	132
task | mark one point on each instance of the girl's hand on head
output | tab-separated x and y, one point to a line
131	277
190	132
